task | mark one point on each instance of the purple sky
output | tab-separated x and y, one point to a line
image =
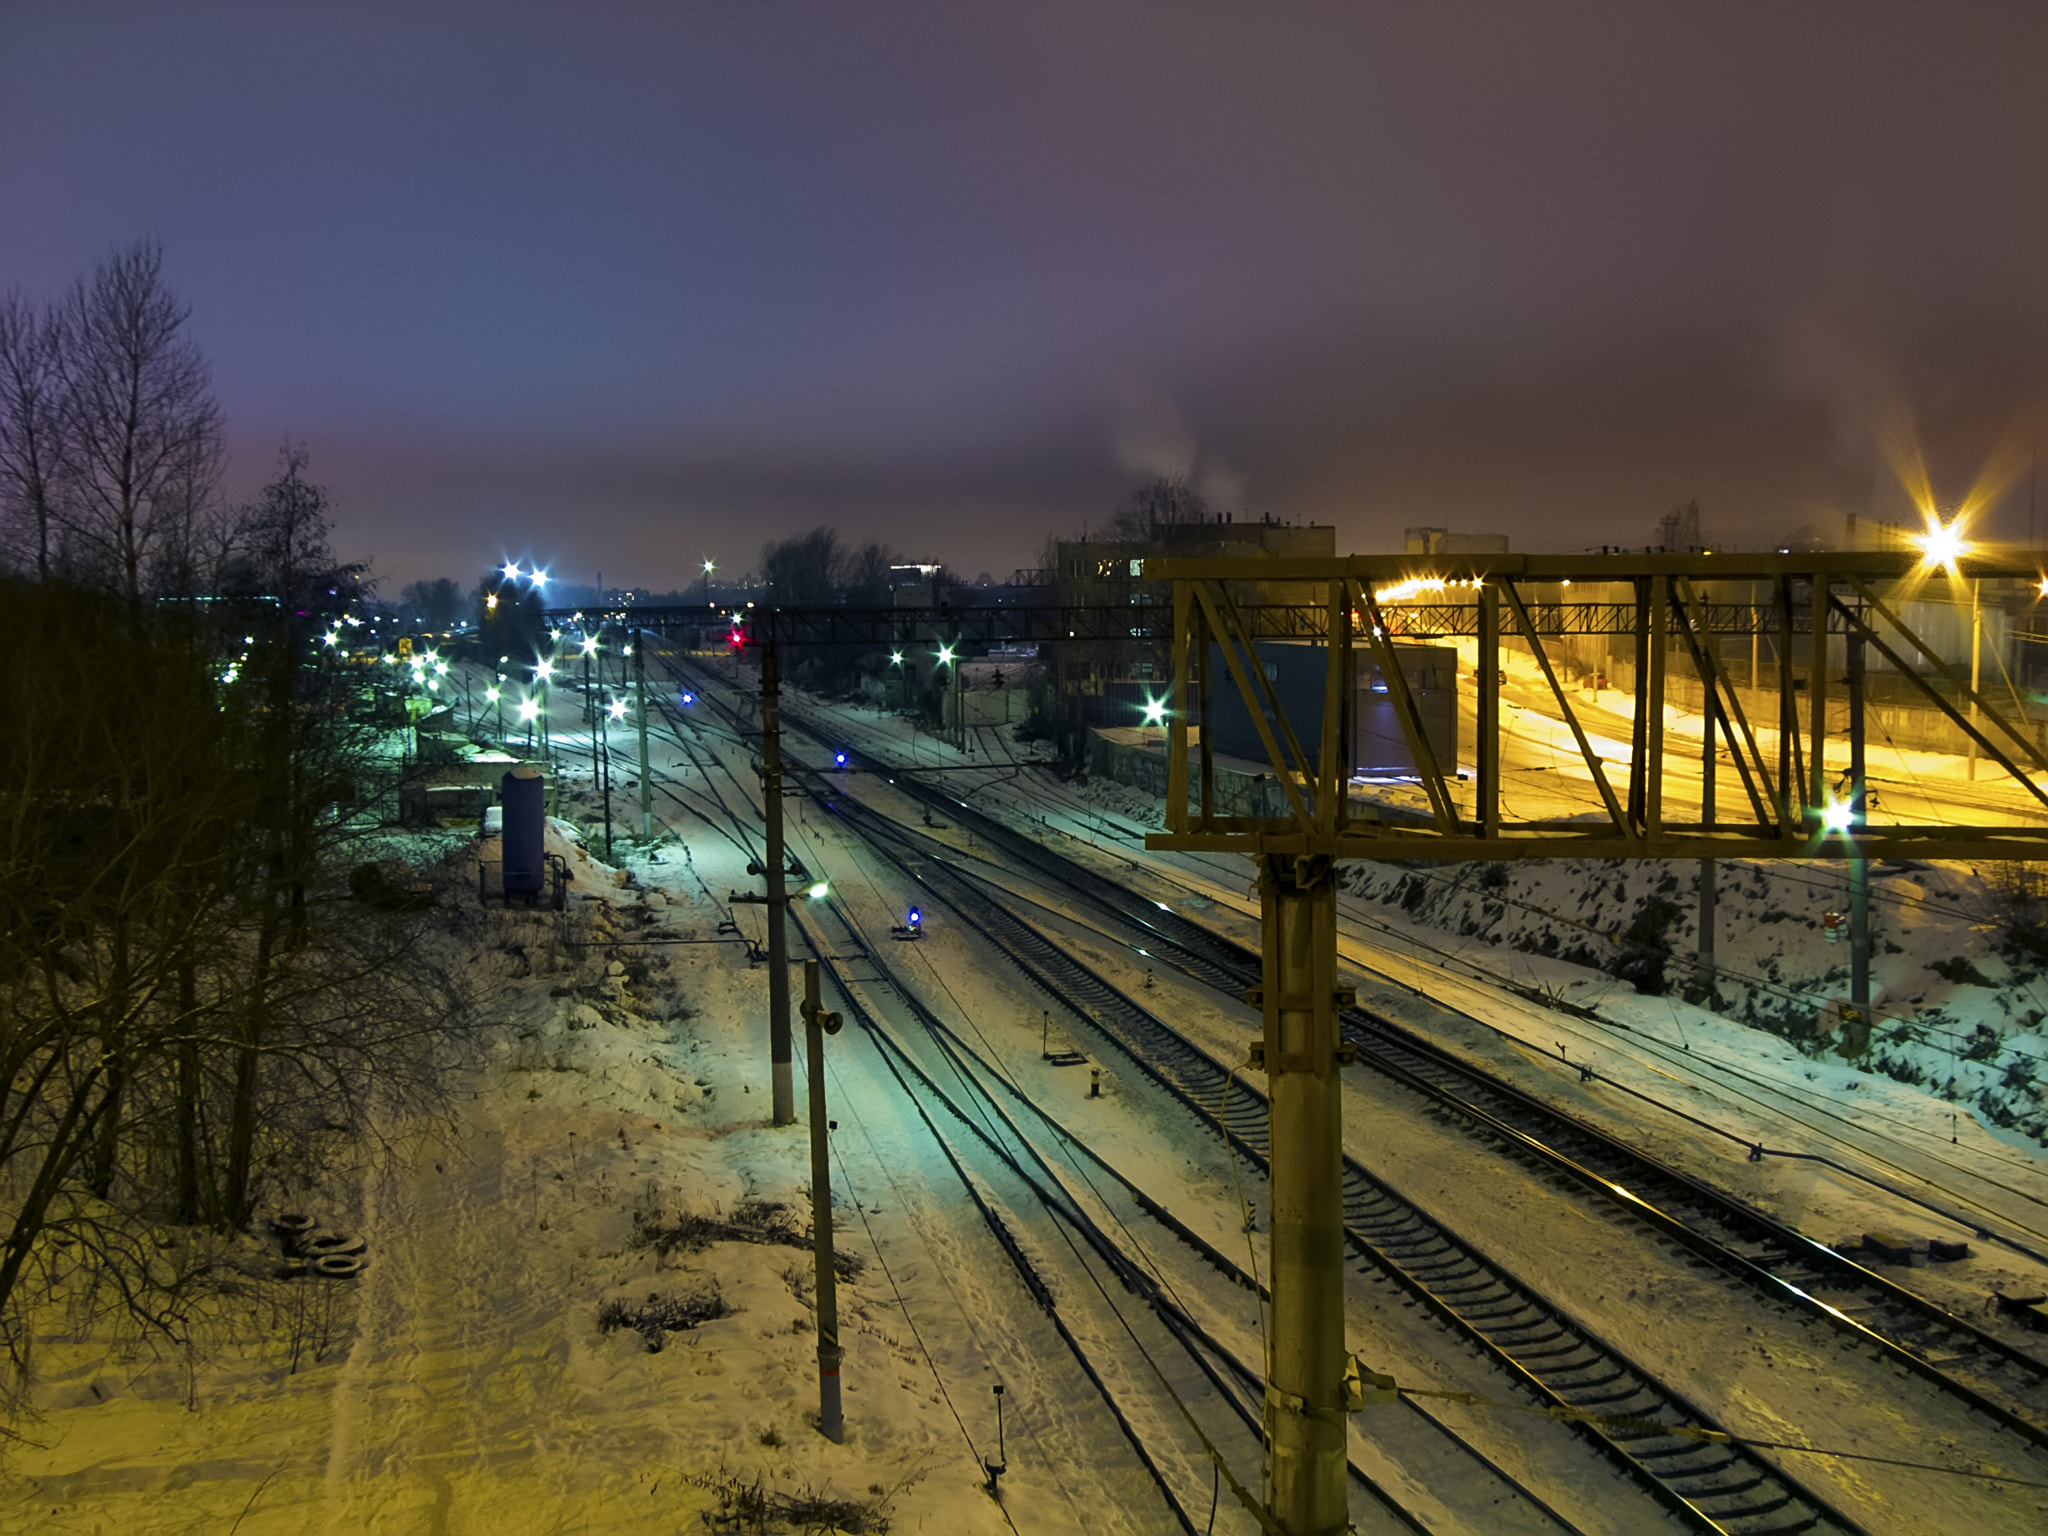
627	286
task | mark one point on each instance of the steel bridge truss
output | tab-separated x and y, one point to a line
1791	811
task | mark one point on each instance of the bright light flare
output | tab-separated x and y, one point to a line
617	709
529	710
818	890
896	657
1155	711
512	571
590	645
543	670
1942	544
945	654
1837	816
491	695
540	578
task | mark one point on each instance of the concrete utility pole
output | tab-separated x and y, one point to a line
778	890
817	1025
1304	1411
640	704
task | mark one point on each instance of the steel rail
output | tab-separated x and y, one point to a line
1717	1488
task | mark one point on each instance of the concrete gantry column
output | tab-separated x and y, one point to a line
1304	1411
778	890
640	706
818	1023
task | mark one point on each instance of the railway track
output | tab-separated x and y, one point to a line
2004	1385
1708	1487
1062	1276
1472	1488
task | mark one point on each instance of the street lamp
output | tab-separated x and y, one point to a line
709	567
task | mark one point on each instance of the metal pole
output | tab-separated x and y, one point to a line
1859	869
1707	871
778	891
1756	634
640	705
604	776
817	1025
1486	751
1976	662
1304	1408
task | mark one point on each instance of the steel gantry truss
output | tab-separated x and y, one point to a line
1813	599
1502	600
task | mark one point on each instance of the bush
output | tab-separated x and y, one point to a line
661	1315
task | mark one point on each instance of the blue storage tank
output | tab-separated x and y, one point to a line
525	839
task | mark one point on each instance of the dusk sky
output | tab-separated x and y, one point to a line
622	287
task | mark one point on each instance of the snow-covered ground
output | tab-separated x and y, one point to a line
464	1382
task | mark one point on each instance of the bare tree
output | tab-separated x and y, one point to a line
436	604
868	565
31	426
143	435
1166	502
804	568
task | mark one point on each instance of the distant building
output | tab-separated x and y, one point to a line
1109	681
1441	541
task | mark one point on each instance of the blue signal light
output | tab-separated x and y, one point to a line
689	698
913	918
